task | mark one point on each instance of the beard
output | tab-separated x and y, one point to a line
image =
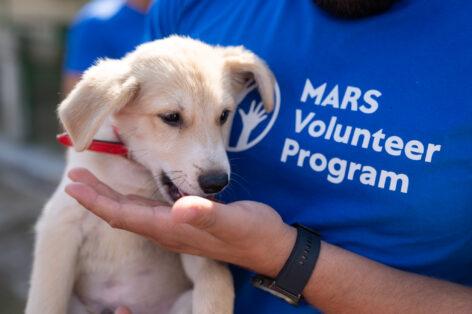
352	9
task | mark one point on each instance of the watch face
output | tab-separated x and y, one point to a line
269	285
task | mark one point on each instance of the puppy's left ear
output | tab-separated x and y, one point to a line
103	90
244	66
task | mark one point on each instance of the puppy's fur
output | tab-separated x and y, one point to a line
81	264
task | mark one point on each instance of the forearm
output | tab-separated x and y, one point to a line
346	282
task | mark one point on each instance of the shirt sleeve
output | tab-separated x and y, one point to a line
163	18
85	44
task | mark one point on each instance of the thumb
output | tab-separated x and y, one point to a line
216	218
123	310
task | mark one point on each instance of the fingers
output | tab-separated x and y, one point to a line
101	205
124	212
86	177
82	193
143	201
145	220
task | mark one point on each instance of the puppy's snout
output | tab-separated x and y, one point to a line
213	181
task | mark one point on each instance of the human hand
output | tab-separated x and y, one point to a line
245	233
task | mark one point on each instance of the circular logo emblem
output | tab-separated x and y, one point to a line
251	122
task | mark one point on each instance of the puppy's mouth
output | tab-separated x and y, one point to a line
175	193
172	190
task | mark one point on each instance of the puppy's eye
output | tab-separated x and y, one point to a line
224	116
172	119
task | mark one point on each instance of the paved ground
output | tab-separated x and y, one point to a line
21	199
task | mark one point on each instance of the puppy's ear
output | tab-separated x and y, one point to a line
104	89
244	66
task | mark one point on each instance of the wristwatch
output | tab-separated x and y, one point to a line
292	279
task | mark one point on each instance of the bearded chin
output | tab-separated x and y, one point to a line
352	9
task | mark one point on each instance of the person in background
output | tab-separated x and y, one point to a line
102	28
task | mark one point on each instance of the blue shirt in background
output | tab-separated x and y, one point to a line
103	28
370	142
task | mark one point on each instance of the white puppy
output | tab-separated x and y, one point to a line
172	102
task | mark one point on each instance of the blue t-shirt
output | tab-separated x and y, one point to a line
103	28
370	142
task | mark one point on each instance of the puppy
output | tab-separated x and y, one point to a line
172	101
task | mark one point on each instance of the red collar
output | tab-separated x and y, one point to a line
114	148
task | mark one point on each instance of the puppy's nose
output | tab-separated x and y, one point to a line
213	181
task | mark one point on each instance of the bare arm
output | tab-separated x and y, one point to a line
345	282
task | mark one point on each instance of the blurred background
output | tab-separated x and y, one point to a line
32	37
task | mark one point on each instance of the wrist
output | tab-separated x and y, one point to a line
277	253
290	281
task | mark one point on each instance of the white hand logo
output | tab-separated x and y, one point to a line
250	120
252	131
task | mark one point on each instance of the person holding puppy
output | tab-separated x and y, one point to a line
102	29
369	145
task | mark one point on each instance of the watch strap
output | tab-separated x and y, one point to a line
292	279
300	265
